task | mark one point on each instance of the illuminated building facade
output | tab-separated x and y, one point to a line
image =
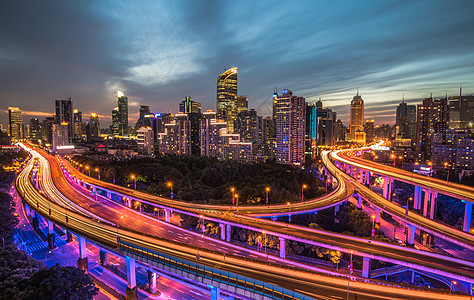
64	114
15	123
227	97
357	116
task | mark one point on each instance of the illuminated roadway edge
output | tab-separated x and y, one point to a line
411	258
430	226
105	236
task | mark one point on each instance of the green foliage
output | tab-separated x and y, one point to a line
7	219
207	179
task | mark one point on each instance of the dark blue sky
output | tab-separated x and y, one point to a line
159	51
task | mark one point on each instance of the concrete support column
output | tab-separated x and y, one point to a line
50	234
27	209
425	202
167	215
152	281
377	215
68	236
336	209
386	183
411	235
390	188
418	194
132	289
228	232
467	217
434	195
359	201
365	267
102	257
282	247
215	293
367	177
82	262
222	230
351	171
361	176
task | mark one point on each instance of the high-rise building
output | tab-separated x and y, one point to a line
227	97
432	117
250	126
48	130
93	128
79	126
60	135
326	121
357	115
369	129
35	133
311	136
461	112
242	104
189	106
339	131
120	116
405	122
144	111
290	128
145	140
15	123
176	140
64	114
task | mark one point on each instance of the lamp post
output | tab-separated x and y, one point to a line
302	192
118	236
289	210
134	181
327	181
394	157
401	159
80	166
237	202
373	227
98	173
170	184
233	196
453	283
446	165
266	193
406	212
349	277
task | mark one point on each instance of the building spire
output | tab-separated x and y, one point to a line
357	92
403	98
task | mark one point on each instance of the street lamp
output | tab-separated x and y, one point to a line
266	192
87	168
401	159
302	192
373	227
265	234
393	156
446	165
349	277
80	166
406	212
237	202
289	209
170	184
453	283
134	181
327	181
98	173
233	196
118	236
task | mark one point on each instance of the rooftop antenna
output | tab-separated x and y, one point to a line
403	97
357	92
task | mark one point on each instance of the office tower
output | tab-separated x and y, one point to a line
120	116
242	104
145	140
250	126
357	115
405	121
339	131
176	139
461	112
311	135
35	130
432	117
290	128
64	114
369	129
93	128
227	97
48	130
325	127
144	111
15	123
189	106
79	126
60	135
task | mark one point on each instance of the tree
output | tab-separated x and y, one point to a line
60	283
8	220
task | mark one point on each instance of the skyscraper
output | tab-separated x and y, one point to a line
60	135
250	126
326	121
311	136
461	111
227	97
79	126
115	122
93	128
189	106
144	111
369	129
48	130
35	130
64	114
339	131
15	123
120	116
357	115
242	104
405	121
290	128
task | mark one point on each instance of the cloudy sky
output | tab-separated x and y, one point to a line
159	51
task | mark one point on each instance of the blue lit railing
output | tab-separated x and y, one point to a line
238	281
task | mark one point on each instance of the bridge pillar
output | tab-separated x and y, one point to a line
228	228
50	234
467	217
359	201
417	202
82	262
215	293
434	195
282	247
365	267
336	209
361	175
411	235
152	281
102	257
425	202
27	209
377	215
167	215
68	236
351	171
222	230
386	183
367	177
132	289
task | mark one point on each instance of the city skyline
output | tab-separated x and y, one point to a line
105	48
